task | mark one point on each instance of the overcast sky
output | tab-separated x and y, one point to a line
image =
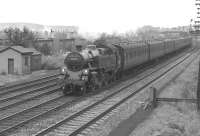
99	15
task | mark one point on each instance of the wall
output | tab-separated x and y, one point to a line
26	68
36	62
4	61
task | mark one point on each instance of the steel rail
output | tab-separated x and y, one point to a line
27	92
42	94
29	114
24	84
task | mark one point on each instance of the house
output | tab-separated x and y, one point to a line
15	60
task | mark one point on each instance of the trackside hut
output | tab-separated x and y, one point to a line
36	59
15	60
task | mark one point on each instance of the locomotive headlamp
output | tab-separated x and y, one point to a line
63	70
86	71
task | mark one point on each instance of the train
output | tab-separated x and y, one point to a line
98	65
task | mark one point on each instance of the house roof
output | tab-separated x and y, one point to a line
2	48
20	50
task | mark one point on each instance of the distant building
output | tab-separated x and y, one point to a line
32	27
43	31
15	60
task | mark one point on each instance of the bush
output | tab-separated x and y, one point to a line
52	62
49	66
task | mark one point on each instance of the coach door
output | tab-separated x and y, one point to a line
10	66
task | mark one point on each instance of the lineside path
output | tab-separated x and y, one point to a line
162	121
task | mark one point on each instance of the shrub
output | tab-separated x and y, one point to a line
52	62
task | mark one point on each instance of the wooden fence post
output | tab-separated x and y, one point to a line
198	90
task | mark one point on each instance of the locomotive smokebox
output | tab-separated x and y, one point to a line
74	61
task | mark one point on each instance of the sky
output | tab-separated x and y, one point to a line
97	16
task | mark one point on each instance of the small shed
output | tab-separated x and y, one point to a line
36	60
15	60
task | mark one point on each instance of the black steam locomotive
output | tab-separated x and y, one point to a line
97	66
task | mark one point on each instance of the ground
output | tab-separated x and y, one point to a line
175	119
4	79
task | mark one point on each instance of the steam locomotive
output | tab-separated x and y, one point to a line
98	65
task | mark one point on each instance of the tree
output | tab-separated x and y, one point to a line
45	49
25	37
147	32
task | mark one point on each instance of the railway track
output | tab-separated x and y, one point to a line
19	93
23	94
18	119
27	95
29	110
27	84
76	123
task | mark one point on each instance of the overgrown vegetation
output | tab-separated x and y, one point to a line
26	38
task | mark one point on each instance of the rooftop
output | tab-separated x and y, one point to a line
20	49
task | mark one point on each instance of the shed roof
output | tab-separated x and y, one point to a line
18	49
2	48
21	49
